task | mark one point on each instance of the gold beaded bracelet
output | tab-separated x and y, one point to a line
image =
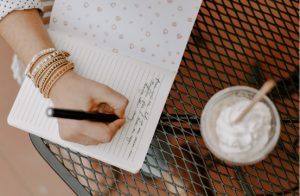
49	73
43	69
40	75
55	77
44	64
35	58
39	71
49	70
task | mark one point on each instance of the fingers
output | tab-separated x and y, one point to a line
114	99
77	137
88	132
116	125
100	131
87	141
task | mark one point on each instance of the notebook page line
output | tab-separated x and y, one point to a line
86	60
113	85
81	67
100	65
105	65
25	92
96	63
18	100
92	64
112	72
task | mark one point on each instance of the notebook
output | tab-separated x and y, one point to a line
134	47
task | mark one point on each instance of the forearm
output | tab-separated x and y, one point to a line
25	33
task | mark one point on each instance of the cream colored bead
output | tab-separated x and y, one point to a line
35	57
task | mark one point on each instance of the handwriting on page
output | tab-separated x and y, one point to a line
142	112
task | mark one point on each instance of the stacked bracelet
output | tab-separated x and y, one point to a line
56	76
35	58
49	70
45	64
48	60
48	74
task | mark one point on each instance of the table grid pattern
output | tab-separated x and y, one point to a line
232	43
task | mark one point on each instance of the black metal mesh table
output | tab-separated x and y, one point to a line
239	42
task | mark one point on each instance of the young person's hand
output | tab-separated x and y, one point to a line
72	91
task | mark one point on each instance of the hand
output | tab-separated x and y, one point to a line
72	91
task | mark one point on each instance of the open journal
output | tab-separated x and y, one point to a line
134	47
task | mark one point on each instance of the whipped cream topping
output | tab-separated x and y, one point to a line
249	135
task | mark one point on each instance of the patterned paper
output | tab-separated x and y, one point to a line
155	32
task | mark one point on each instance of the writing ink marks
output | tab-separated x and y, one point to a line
129	154
129	139
133	145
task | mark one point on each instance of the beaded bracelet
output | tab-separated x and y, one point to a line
50	57
44	64
39	75
39	72
35	58
44	68
56	76
48	74
49	70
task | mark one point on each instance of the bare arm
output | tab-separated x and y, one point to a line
25	33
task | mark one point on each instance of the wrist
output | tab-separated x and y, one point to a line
61	85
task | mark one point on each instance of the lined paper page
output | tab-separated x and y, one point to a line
145	86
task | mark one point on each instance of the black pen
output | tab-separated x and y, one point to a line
81	115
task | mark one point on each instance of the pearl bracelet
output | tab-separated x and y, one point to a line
35	58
